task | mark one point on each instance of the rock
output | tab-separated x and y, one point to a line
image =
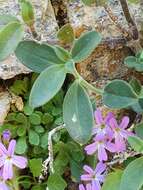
5	100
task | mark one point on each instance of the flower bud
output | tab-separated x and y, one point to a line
6	136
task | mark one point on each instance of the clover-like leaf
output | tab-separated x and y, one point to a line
119	94
134	62
37	56
132	178
78	113
47	85
10	36
85	45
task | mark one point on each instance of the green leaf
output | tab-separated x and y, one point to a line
44	140
56	182
134	62
138	107
76	170
10	36
136	85
85	45
113	180
33	138
63	54
47	118
39	129
6	19
78	113
21	131
139	130
132	178
37	56
119	94
47	85
35	166
136	143
21	145
66	34
35	119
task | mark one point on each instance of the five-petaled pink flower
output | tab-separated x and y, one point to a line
120	133
3	185
100	144
87	187
102	128
94	177
8	159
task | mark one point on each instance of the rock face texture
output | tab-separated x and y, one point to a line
106	61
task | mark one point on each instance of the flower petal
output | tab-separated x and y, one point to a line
7	170
100	168
124	123
86	177
110	147
19	161
2	149
91	148
11	147
88	169
102	155
98	117
120	143
109	116
88	187
96	185
113	123
2	161
81	187
3	186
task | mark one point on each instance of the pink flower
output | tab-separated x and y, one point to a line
102	127
8	159
95	177
120	133
3	185
88	187
100	145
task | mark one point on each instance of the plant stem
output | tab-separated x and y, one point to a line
86	84
131	22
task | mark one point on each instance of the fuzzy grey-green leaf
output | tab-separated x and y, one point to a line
10	36
78	113
132	178
47	85
37	56
85	45
119	94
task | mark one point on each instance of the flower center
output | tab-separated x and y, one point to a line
102	126
117	129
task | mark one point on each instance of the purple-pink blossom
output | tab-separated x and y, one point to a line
3	185
102	128
94	177
8	159
100	145
120	133
87	187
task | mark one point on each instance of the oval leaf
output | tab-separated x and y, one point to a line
132	178
85	45
37	56
47	85
119	94
113	180
10	36
78	113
